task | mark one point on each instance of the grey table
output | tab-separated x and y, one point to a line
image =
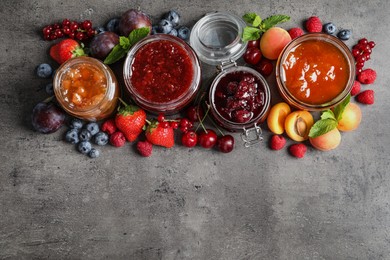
189	203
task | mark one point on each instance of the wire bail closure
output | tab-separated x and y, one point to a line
252	136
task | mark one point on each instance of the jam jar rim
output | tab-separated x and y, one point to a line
267	92
72	62
173	104
334	41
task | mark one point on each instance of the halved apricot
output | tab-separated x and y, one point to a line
277	116
298	124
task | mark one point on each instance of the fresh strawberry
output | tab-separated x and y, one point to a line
298	150
366	97
277	142
145	148
130	120
65	50
158	135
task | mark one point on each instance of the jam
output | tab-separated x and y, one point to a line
315	72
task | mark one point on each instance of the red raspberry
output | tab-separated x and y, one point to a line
295	32
298	150
367	76
109	126
117	139
277	142
144	148
366	97
314	24
355	88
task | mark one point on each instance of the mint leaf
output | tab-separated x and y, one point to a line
124	42
116	54
257	21
322	127
273	20
138	34
339	109
250	17
251	34
328	114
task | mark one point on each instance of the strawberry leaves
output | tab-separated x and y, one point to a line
257	26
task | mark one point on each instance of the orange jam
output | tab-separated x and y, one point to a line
315	72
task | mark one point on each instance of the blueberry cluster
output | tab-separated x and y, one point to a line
45	71
170	24
343	34
83	136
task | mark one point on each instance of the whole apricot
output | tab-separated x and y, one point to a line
298	124
273	41
277	117
351	118
328	141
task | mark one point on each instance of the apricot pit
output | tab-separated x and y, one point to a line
298	124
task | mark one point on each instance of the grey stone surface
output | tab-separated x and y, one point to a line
189	203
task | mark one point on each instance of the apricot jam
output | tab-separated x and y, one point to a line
86	88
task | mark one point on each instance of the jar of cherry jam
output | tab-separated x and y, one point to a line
86	88
162	74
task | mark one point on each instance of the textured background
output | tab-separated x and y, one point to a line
188	203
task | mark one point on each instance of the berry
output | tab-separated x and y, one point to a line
94	153
100	29
117	139
194	113
366	97
298	150
183	33
84	147
165	26
371	44
174	17
101	138
158	135
355	88
113	25
47	117
87	24
314	24
329	28
208	139
252	55
295	32
85	135
174	124
155	29
254	43
225	143
344	34
130	120
44	70
65	50
189	139
144	148
264	67
49	89
109	126
173	32
160	118
367	76
72	136
277	142
76	124
93	128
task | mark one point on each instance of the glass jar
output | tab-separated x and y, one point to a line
162	74
86	88
315	72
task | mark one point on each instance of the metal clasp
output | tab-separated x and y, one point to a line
252	136
226	64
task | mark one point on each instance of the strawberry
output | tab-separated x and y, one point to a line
65	50
130	120
298	150
158	135
366	97
277	142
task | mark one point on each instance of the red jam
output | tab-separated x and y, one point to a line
162	71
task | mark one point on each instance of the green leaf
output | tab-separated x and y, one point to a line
116	54
273	20
339	109
251	34
257	21
138	34
328	114
250	17
322	127
124	42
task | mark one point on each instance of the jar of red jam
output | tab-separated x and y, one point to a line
315	72
162	73
86	88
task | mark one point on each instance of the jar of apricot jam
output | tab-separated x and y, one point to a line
162	74
86	88
315	72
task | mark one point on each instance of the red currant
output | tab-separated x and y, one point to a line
363	41
46	31
161	117
252	55
73	26
65	22
86	24
225	143
80	36
189	139
66	30
371	44
174	124
208	139
164	124
355	52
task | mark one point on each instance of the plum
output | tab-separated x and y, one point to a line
102	44
133	19
47	117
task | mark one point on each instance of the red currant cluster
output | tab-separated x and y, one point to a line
362	53
73	29
254	57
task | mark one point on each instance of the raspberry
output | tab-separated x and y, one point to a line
145	148
367	76
298	150
295	32
366	97
355	88
109	126
314	24
117	139
277	142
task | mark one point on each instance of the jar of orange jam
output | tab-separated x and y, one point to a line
315	72
86	88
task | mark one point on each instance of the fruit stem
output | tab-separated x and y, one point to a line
216	126
49	99
123	102
204	117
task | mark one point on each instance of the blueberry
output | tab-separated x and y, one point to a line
93	153
76	124
93	128
113	25
84	147
54	73
165	26
329	28
49	89
344	34
72	136
100	29
183	33
44	70
173	32
101	138
85	135
174	17
155	29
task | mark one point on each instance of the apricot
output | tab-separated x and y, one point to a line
351	118
273	41
327	141
298	124
277	117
